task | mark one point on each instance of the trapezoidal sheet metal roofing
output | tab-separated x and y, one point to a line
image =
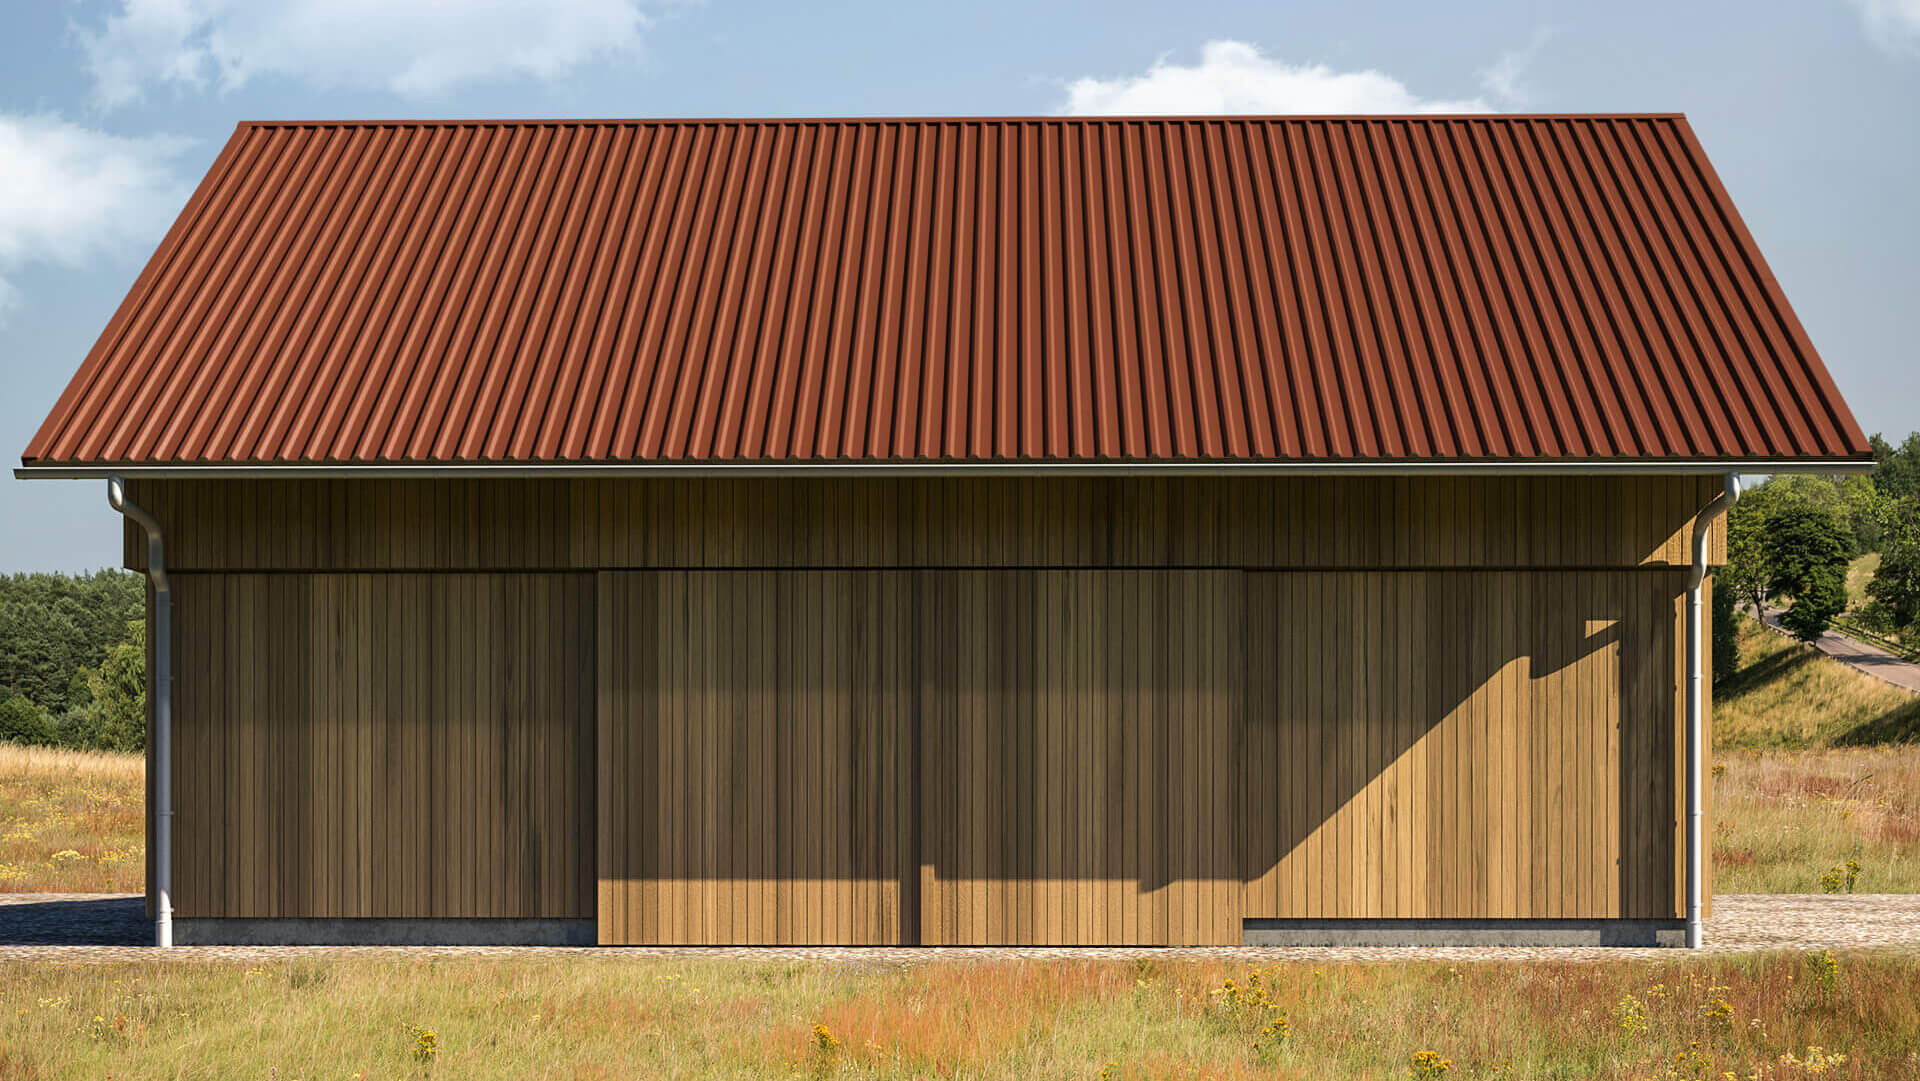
1397	289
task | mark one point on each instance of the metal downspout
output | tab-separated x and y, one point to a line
162	710
1696	751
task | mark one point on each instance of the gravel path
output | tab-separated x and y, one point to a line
92	927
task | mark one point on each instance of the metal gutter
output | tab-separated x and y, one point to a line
1696	750
162	710
1607	467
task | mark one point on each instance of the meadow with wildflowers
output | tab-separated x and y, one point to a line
1761	1017
71	821
1839	820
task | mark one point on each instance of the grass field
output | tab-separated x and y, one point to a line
1797	796
1784	819
70	821
1758	1016
1788	696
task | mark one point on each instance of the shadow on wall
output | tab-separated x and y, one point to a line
1000	755
1461	744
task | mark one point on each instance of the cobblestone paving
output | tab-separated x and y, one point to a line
93	927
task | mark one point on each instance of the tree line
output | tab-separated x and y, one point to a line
73	666
1791	539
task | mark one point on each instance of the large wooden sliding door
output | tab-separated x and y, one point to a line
1077	779
409	746
754	757
918	756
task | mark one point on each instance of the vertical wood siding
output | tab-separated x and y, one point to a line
1356	523
1461	745
755	734
759	781
394	745
930	724
1077	782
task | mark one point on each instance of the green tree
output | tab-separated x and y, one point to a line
1821	597
1867	508
53	626
1898	473
1746	576
21	721
115	717
1896	585
1816	490
1726	640
1807	550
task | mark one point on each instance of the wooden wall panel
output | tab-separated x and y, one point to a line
759	779
1077	779
1461	744
756	753
1254	522
392	745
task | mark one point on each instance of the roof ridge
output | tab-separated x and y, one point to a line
1133	118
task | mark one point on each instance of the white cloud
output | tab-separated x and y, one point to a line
1233	77
411	47
1893	25
1505	80
70	195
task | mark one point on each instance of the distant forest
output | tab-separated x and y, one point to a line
73	660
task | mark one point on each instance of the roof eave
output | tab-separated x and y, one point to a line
1355	468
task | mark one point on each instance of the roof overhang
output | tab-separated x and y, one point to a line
1332	295
1367	468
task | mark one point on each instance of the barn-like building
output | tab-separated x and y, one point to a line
1081	531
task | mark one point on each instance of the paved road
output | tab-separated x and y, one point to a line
94	928
1872	660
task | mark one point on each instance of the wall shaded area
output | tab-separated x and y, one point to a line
1248	521
1078	770
756	732
393	745
941	757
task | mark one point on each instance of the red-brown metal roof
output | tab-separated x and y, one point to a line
1471	289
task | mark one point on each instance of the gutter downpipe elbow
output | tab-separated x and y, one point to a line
1696	712
162	710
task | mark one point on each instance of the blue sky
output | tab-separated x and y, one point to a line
111	109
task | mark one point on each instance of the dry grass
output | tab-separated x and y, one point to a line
1790	696
597	1017
1785	818
1805	788
71	821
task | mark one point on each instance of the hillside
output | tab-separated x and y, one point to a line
1801	787
1792	697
